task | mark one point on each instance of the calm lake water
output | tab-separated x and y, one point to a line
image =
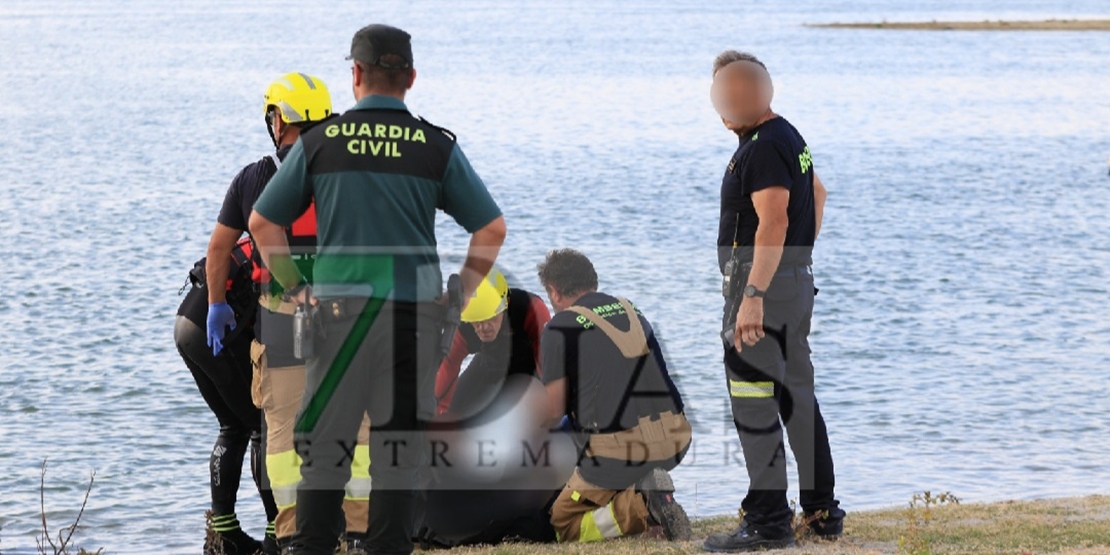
961	336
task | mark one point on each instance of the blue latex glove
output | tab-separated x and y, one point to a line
220	315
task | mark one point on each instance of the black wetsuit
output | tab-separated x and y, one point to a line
224	382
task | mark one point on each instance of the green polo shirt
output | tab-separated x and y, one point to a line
377	175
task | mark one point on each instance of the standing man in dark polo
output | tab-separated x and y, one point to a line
377	175
771	209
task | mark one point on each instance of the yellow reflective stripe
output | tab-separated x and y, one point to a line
587	530
606	522
225	523
751	390
284	469
599	524
575	496
358	488
360	466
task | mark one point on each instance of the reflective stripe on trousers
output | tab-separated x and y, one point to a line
599	525
751	390
358	487
285	475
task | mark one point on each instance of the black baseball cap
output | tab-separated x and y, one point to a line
374	41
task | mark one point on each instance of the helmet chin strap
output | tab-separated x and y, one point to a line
270	129
277	140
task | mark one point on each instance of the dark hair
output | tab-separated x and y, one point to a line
568	272
728	56
388	79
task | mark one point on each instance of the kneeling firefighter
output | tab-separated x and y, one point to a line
503	333
605	371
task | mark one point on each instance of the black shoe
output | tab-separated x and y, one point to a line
658	491
829	527
270	545
745	538
235	542
356	545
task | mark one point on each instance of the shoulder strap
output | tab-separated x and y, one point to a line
443	130
277	161
632	343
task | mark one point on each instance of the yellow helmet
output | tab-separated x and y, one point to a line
300	97
491	299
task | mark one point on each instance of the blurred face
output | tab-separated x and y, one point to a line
741	94
487	330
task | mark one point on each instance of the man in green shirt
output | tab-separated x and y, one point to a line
377	175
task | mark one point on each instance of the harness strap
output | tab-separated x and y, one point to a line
632	343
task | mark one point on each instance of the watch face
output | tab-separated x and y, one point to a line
749	290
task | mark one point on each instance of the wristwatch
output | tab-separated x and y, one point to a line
296	289
751	291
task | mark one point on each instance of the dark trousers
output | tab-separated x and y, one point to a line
771	384
377	357
489	516
460	510
224	382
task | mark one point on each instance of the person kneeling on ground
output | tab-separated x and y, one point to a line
498	394
604	370
503	333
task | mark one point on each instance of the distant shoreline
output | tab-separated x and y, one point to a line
1047	25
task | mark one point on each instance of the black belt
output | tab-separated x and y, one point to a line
796	270
805	270
338	309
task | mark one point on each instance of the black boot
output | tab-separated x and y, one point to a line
270	542
746	538
356	544
658	492
826	526
228	539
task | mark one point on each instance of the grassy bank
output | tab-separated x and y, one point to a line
1078	526
1048	25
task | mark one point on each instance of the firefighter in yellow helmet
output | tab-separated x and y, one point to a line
504	330
292	103
501	328
295	99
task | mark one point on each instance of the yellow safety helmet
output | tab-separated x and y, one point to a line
491	299
301	98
